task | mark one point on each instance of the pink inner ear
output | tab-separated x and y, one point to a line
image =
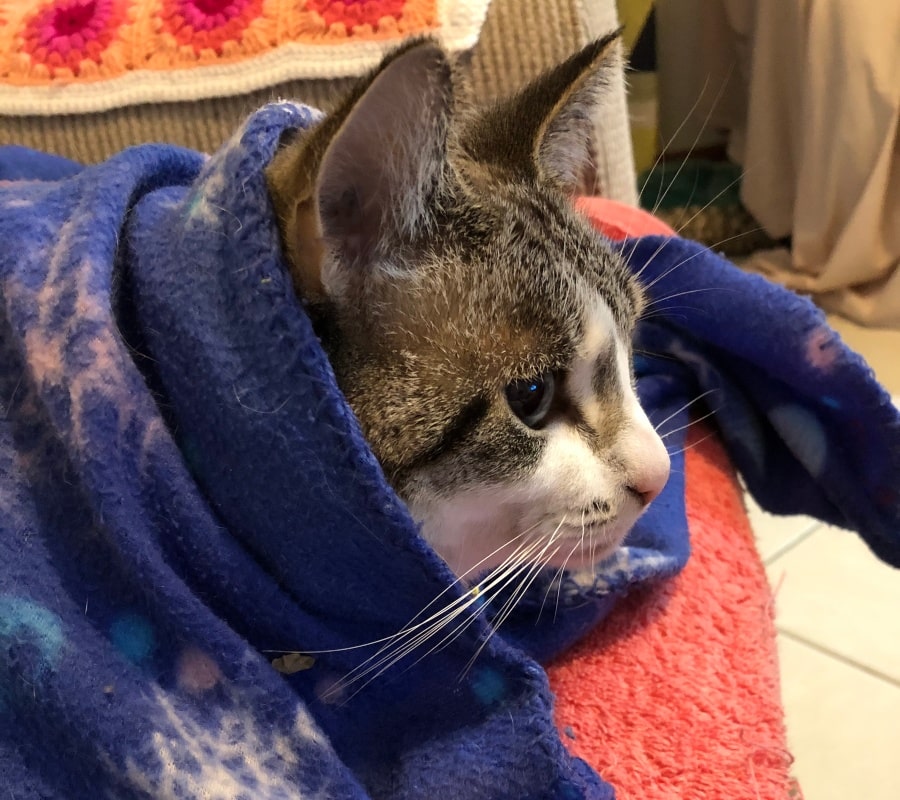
565	148
565	152
384	158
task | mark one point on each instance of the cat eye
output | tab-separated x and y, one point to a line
530	398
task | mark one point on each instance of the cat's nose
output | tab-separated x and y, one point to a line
647	496
649	468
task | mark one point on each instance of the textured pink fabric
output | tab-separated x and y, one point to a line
617	220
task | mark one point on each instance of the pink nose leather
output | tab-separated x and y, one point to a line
650	469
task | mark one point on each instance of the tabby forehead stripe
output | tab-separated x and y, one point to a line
605	380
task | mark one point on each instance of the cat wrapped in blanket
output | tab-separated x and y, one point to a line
478	326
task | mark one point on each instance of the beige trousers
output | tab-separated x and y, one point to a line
821	147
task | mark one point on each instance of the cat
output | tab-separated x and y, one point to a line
477	325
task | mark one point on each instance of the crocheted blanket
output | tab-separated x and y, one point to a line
80	56
198	544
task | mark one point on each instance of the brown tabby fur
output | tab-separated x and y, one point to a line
439	256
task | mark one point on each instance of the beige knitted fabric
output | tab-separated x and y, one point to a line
519	39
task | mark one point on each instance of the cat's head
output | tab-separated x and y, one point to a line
478	326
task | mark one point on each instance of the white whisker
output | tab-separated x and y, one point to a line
397	648
410	626
692	445
693	422
712	200
700	252
687	405
508	579
660	195
693	146
508	607
668	144
657	301
517	595
557	578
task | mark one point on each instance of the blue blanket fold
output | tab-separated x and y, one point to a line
805	421
186	501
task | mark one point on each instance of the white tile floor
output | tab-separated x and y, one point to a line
838	619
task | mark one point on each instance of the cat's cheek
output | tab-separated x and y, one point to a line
473	531
572	480
580	502
574	507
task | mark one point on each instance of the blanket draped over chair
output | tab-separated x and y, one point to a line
185	498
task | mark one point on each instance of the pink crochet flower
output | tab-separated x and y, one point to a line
208	24
63	33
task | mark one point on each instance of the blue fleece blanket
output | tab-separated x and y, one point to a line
186	500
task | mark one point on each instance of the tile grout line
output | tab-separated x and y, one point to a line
786	547
822	650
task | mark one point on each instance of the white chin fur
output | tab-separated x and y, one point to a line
542	517
476	531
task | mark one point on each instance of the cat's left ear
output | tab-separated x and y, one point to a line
546	131
359	184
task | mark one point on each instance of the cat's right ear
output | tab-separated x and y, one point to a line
545	132
346	193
